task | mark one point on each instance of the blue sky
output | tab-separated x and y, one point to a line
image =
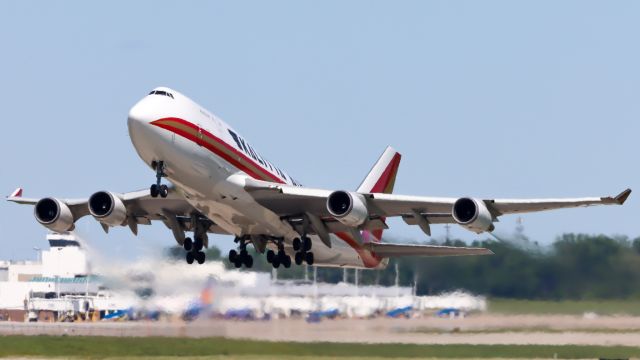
488	99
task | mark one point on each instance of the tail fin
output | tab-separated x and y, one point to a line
382	175
381	179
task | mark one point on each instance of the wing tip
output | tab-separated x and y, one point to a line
17	193
622	197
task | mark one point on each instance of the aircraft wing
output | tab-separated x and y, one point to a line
397	250
291	201
141	209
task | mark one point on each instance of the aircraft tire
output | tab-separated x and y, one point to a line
198	244
296	244
270	256
248	261
306	243
237	263
287	261
190	258
164	190
233	255
276	262
200	257
299	258
308	257
187	244
154	191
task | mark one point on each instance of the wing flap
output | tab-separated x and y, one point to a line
399	250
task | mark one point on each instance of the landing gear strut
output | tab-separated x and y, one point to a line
279	258
243	257
158	188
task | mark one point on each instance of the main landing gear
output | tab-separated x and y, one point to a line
302	247
279	258
194	249
158	188
276	258
243	257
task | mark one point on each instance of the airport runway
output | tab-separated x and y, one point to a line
483	329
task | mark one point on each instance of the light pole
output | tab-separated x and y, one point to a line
38	253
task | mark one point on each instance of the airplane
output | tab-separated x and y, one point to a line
219	183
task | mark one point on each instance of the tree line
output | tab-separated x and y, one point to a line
574	266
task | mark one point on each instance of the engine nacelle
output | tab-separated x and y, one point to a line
54	214
473	215
107	208
347	207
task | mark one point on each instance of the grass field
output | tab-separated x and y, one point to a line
605	307
108	347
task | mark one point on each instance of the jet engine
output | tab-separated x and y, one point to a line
54	214
107	208
473	215
347	207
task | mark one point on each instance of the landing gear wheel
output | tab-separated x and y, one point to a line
154	190
276	262
296	244
200	257
198	244
187	244
299	258
237	263
286	261
248	261
270	256
308	257
281	256
306	243
164	191
233	255
190	258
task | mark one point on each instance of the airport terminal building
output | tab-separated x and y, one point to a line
63	285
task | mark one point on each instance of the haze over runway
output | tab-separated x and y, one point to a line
492	99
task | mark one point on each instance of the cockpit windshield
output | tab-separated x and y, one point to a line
161	92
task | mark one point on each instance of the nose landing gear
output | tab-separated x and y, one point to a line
158	188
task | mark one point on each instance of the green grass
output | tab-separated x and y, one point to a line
112	347
530	329
537	307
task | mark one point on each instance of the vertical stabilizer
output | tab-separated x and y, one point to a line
381	179
382	175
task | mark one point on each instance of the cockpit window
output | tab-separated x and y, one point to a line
161	92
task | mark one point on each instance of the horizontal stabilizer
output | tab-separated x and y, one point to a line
397	250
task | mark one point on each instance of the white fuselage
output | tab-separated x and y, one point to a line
209	163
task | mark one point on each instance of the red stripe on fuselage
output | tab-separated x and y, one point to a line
261	174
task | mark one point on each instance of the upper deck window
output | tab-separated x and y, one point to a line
161	92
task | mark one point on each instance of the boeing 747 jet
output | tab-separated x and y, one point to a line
220	184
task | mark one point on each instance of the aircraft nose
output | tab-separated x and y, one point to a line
139	114
139	123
